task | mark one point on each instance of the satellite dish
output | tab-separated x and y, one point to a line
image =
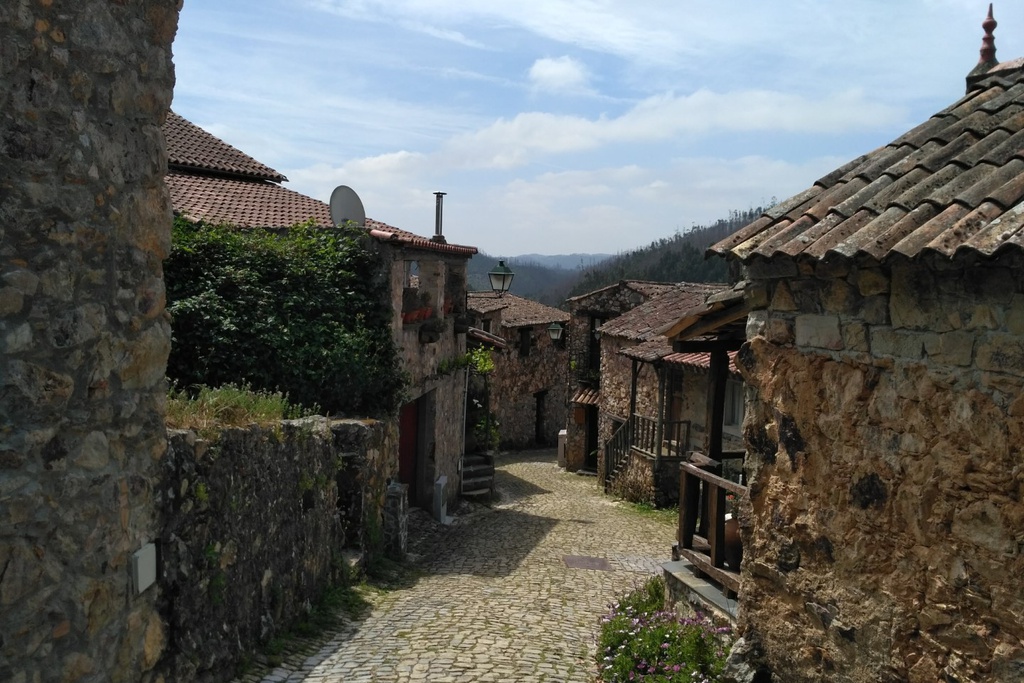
346	206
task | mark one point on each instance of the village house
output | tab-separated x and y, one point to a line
212	181
526	392
587	312
653	400
885	424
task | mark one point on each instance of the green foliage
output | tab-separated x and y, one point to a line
481	360
639	641
202	493
486	434
304	312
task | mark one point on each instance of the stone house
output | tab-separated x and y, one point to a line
652	407
526	392
882	533
210	180
587	312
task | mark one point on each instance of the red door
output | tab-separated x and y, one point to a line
408	430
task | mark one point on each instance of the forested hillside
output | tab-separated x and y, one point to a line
671	259
545	284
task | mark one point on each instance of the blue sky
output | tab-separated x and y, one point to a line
560	126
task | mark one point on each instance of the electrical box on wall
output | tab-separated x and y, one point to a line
144	567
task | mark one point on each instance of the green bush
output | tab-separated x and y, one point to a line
305	311
639	641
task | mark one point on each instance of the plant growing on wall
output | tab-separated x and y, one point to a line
305	312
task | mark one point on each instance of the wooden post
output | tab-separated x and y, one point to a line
689	498
659	430
716	526
717	377
632	399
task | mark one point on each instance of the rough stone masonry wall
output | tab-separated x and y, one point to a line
516	380
84	225
616	385
253	527
883	540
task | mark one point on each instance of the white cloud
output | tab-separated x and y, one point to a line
560	75
510	143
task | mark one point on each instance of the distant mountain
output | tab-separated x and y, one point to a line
680	258
565	261
547	284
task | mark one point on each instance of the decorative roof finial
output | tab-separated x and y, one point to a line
988	42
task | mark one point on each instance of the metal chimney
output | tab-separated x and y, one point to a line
438	211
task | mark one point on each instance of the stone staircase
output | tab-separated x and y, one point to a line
477	474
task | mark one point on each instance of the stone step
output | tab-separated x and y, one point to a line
482	470
470	484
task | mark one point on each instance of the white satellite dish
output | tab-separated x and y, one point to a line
346	206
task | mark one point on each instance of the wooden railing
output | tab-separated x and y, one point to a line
702	535
674	437
616	452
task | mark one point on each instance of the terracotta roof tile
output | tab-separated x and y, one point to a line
243	203
936	188
189	147
388	233
210	180
586	397
516	311
644	321
644	287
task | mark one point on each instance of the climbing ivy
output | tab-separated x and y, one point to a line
304	311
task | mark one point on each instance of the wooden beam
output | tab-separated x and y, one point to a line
698	473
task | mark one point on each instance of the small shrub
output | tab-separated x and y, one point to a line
639	641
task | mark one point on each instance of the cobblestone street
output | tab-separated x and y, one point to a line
497	600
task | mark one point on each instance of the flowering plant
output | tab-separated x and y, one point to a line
639	641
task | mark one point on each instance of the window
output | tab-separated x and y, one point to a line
525	340
733	405
485	324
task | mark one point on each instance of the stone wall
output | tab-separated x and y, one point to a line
515	382
84	225
253	528
882	539
606	303
443	279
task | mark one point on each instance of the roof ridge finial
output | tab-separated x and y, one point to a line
988	42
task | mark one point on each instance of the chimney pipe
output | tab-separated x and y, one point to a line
438	210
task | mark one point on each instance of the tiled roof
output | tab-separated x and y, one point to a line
210	180
644	321
243	203
699	360
645	287
953	184
516	311
487	338
388	233
660	349
189	147
586	397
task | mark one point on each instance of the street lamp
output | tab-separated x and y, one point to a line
555	330
501	278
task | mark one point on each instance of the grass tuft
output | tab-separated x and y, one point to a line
207	410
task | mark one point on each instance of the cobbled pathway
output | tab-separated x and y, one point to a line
496	600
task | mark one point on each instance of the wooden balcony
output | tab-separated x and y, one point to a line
670	439
702	539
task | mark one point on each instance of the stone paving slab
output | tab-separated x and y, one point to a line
497	601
